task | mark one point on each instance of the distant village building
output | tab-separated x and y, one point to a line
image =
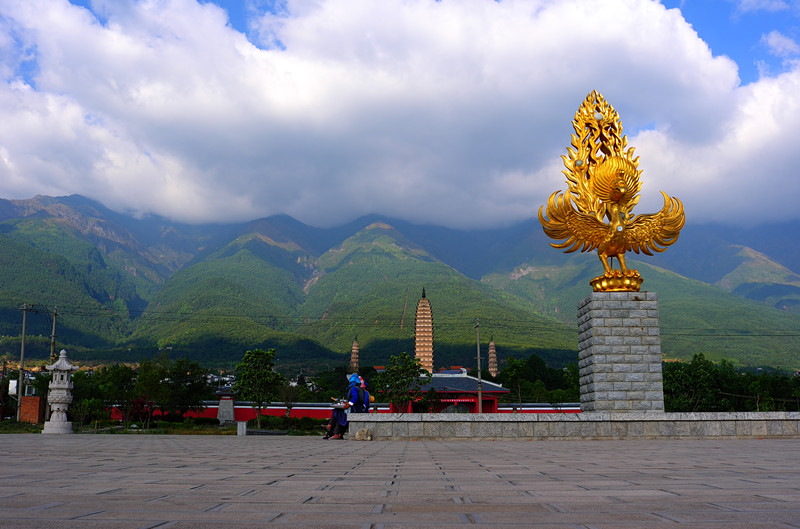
423	334
492	359
354	357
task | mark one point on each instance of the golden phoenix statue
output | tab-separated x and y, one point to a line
603	187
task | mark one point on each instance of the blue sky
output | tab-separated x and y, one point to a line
454	113
741	31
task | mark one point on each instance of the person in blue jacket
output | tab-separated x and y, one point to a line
357	395
357	402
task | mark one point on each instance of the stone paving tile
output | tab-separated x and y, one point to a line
146	482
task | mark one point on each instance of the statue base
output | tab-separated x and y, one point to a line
57	427
616	281
619	353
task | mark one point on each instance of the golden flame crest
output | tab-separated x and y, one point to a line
603	187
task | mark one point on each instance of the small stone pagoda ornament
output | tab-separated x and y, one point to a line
60	395
603	187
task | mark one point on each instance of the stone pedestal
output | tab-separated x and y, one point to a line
226	412
619	352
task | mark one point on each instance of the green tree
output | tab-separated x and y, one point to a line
289	394
187	385
149	386
85	410
531	380
115	385
691	386
256	379
512	376
572	384
401	383
330	384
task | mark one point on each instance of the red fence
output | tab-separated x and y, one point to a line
319	410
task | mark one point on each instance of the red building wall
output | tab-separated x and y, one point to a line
32	410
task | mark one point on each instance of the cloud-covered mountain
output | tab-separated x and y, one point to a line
125	288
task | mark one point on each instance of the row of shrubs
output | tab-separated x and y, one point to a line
289	424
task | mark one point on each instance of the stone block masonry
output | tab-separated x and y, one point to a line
619	353
577	426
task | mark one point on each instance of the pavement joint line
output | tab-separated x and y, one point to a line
12	495
164	497
48	506
466	518
668	517
87	515
665	491
158	525
725	508
767	498
217	508
110	491
248	492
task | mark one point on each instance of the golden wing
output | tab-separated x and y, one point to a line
654	232
581	230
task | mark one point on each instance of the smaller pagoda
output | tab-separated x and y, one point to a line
493	370
60	395
354	362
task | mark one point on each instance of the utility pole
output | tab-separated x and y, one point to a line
20	389
480	389
53	356
3	393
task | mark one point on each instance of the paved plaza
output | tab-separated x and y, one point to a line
149	481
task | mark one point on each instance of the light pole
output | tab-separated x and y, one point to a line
20	385
480	389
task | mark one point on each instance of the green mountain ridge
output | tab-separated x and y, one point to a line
127	288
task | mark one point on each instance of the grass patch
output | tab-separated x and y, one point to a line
19	427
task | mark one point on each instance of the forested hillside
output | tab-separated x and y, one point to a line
126	288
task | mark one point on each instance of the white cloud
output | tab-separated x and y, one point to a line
780	45
745	176
447	112
749	6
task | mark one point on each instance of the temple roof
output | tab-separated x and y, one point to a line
460	382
